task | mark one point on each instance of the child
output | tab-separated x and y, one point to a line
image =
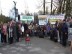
27	40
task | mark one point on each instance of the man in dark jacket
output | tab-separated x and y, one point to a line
14	32
64	33
18	32
25	28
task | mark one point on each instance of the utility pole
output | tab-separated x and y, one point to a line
51	5
44	6
15	9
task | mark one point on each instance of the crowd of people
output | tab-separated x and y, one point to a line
13	31
59	32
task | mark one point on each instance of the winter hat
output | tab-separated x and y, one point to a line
27	35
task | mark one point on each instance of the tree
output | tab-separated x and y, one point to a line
65	7
68	8
46	10
35	18
40	12
53	12
59	6
4	19
71	7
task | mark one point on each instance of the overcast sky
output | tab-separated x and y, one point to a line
22	5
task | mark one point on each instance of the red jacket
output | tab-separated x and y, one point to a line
27	39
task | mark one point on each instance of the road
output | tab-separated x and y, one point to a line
37	46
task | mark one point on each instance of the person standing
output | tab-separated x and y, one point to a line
55	34
51	32
10	34
22	29
30	27
0	33
25	28
14	32
48	30
18	30
44	30
4	33
70	34
60	32
64	33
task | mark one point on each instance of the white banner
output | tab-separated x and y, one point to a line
42	19
54	18
42	22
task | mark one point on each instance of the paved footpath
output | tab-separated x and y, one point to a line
37	46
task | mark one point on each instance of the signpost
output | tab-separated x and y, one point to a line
26	19
42	19
53	18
